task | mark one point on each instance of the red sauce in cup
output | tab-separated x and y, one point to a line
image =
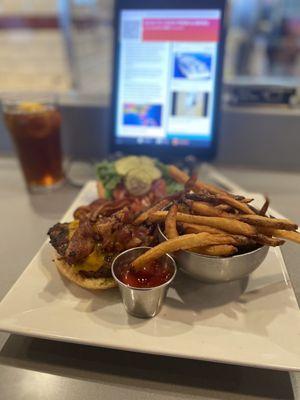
153	274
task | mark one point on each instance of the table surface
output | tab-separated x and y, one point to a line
34	368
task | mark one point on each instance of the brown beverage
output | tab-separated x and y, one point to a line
35	129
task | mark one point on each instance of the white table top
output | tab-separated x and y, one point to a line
34	368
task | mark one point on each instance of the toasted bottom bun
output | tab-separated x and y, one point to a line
87	283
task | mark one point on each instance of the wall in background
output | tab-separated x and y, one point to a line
259	139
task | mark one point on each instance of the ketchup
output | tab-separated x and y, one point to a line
153	274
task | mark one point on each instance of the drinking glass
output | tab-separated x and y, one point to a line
34	123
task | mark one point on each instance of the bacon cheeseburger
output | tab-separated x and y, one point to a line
86	246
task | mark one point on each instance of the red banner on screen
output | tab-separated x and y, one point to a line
181	29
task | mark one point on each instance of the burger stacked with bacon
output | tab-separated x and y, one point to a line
86	246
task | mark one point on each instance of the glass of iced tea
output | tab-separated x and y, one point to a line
34	124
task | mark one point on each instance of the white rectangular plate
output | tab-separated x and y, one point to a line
254	322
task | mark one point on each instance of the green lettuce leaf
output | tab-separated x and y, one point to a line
107	174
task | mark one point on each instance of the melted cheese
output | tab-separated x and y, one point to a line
73	225
92	263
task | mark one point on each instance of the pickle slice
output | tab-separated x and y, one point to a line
153	172
125	164
147	161
149	164
138	182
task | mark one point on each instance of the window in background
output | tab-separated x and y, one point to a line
56	45
32	51
263	39
65	45
88	29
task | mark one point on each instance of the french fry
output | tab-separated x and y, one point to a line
239	240
239	197
243	199
246	200
202	208
224	207
245	208
259	220
226	224
265	206
289	235
170	223
144	215
217	215
205	209
194	228
267	240
183	207
204	197
182	177
219	250
243	241
183	242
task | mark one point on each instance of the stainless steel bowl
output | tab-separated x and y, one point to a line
142	302
213	269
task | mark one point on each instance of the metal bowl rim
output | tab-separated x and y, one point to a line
137	288
213	257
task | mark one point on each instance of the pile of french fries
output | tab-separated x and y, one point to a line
210	221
